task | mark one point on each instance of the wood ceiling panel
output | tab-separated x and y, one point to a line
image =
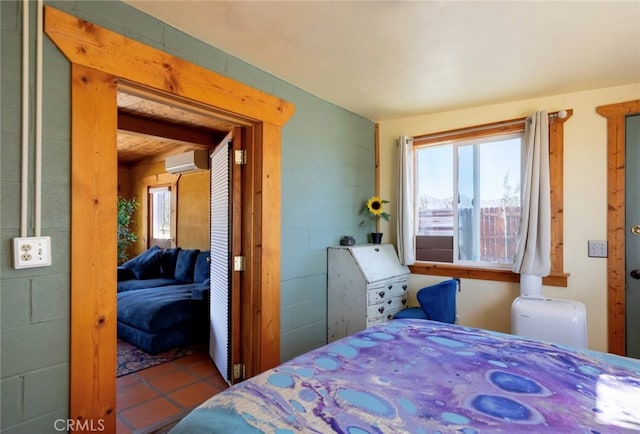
168	129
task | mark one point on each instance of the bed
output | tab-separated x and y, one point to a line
419	376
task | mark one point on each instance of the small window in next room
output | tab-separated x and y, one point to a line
467	200
160	216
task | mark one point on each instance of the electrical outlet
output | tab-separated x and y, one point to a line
597	249
31	252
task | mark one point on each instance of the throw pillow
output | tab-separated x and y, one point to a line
439	301
185	265
201	271
146	265
168	262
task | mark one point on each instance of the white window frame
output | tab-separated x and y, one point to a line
556	142
456	144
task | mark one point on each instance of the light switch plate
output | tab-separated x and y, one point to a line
597	249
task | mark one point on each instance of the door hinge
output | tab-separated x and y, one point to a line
240	156
238	371
238	263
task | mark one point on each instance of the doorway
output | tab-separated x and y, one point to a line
632	239
174	207
616	262
101	61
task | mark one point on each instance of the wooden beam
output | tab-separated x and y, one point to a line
150	127
104	50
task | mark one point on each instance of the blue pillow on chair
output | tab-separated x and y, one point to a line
437	303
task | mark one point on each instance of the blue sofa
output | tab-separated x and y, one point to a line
163	299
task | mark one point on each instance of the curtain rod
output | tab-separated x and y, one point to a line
561	114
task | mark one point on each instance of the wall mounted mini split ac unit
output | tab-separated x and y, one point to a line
190	161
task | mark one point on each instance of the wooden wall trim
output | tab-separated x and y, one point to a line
267	263
93	277
86	44
556	171
495	274
616	321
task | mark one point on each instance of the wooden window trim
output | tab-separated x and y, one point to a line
148	213
557	277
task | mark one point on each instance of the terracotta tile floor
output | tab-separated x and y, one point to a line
152	398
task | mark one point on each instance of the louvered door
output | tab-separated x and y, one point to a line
225	244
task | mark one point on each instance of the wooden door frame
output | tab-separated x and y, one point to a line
616	321
101	61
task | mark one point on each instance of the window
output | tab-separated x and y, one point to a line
160	216
473	237
468	200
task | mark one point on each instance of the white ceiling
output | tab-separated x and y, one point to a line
394	59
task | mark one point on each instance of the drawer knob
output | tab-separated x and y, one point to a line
389	301
381	309
381	294
390	286
404	287
404	301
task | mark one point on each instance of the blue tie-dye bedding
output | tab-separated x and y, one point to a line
416	376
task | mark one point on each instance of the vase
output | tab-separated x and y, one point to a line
376	237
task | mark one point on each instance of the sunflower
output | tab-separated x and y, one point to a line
375	206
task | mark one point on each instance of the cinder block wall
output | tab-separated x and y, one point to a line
328	170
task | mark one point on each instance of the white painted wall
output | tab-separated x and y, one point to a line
488	304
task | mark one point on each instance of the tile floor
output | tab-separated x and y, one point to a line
152	398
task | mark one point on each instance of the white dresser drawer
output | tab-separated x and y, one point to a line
378	294
388	314
390	304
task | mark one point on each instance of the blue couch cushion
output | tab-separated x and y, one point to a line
201	272
154	343
185	265
157	309
168	262
124	274
146	265
201	292
130	285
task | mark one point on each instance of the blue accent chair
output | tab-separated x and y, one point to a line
437	303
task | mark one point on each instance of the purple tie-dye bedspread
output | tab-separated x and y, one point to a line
415	376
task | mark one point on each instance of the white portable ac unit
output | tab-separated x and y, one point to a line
190	161
550	319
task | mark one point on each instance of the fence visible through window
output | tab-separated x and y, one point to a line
497	237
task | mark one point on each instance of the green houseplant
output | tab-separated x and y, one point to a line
126	235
